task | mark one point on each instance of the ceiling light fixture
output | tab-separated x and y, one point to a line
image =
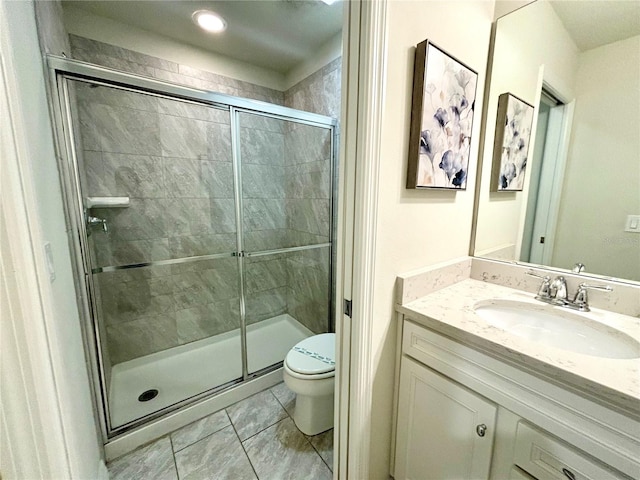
209	21
329	2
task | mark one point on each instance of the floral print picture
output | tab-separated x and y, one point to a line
444	92
511	145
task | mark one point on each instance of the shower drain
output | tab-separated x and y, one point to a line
148	395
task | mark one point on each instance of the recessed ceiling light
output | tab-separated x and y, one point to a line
329	2
209	21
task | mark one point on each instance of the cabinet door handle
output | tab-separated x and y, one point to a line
569	474
481	430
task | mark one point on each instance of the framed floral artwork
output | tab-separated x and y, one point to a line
511	145
444	93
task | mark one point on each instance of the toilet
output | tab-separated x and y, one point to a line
309	371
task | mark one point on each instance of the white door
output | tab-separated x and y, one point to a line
444	430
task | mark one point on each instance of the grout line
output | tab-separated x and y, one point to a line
241	444
319	454
308	439
206	436
281	404
268	426
263	429
173	454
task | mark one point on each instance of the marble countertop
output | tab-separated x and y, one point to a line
450	311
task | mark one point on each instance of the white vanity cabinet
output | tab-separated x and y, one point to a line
463	414
443	428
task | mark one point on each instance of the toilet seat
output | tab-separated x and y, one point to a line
312	358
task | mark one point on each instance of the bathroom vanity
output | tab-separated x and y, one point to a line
479	401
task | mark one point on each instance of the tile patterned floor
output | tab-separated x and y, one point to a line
252	439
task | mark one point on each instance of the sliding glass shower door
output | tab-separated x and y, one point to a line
285	173
157	187
203	231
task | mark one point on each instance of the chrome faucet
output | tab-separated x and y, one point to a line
555	292
578	268
558	290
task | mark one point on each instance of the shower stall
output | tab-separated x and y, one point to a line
202	227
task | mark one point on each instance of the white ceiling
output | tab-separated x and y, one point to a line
273	34
593	23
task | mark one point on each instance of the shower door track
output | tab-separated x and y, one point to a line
62	70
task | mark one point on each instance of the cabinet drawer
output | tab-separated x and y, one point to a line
516	474
546	458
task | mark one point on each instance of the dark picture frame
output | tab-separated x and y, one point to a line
444	93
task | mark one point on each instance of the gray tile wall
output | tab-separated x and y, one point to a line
308	208
319	92
173	159
308	153
134	62
262	153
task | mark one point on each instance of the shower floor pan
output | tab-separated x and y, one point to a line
182	372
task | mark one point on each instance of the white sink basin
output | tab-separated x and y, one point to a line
557	327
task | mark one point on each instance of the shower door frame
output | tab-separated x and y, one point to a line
61	72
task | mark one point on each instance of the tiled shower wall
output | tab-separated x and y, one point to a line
129	61
308	187
173	160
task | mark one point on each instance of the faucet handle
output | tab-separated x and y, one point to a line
544	291
581	299
531	273
604	288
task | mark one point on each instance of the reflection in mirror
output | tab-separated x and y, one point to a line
579	66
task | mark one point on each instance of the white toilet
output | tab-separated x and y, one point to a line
309	371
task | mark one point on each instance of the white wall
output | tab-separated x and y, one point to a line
82	23
40	177
526	40
602	179
417	228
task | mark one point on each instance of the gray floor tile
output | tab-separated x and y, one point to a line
281	452
218	456
285	396
255	413
323	443
198	430
153	462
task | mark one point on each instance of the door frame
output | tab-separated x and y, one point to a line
364	70
32	431
559	150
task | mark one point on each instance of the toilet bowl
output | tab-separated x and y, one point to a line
309	371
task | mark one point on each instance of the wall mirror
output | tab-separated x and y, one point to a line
578	64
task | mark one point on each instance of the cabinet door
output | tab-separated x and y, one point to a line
440	431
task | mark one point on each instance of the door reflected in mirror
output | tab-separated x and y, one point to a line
582	73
